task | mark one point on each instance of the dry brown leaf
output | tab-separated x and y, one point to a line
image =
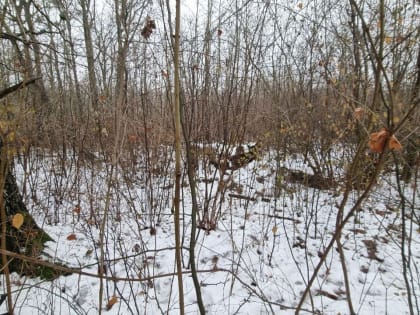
394	144
377	140
358	113
91	221
111	302
17	220
274	229
77	209
132	138
71	237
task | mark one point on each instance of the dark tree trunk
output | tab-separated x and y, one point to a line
21	240
29	239
413	146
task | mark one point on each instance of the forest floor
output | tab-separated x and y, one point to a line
268	240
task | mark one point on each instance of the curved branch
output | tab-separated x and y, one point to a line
13	88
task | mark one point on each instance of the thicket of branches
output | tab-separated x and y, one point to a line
250	70
304	78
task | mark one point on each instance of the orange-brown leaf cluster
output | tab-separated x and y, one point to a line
378	140
394	144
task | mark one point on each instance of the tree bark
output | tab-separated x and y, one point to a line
29	238
177	123
90	58
411	152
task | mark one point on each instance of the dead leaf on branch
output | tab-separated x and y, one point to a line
274	229
111	302
394	144
378	140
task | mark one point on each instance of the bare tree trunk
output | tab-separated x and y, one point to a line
32	63
413	145
177	197
87	25
70	54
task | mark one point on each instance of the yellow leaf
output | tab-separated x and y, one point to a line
388	40
274	229
17	220
111	302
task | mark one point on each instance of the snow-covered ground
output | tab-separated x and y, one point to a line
268	240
